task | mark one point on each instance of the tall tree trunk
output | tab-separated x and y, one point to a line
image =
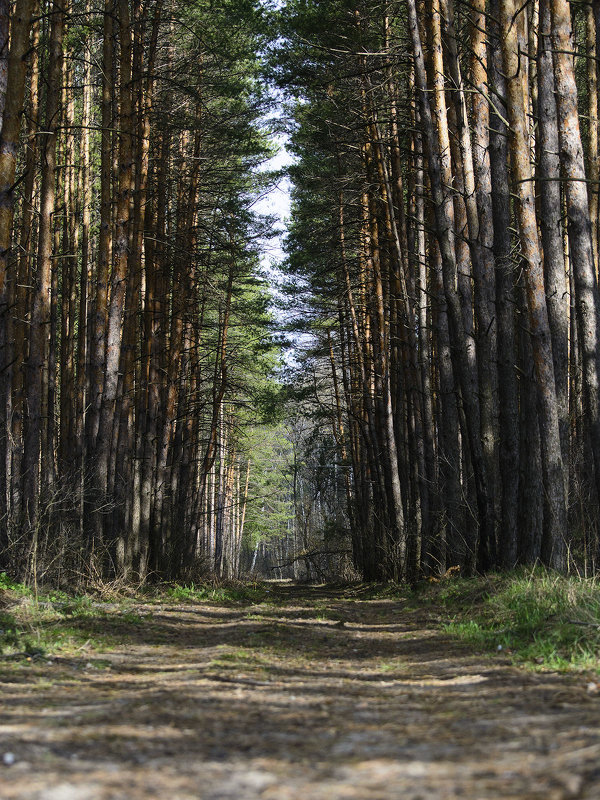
37	365
9	139
579	227
464	369
485	278
106	424
551	227
478	233
85	281
593	142
523	189
505	306
100	305
26	246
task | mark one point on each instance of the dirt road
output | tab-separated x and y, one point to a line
319	695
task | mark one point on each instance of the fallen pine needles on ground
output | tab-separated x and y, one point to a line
540	619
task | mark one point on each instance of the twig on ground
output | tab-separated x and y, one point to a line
246	681
584	624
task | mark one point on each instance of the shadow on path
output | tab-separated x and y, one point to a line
317	695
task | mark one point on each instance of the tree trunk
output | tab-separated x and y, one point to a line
578	215
37	364
9	139
551	227
464	369
536	297
505	308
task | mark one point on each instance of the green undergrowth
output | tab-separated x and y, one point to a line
42	623
541	619
234	593
537	618
49	622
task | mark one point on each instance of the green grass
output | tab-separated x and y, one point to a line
51	622
237	657
235	594
46	623
8	585
541	619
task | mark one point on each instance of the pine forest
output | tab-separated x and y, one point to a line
411	388
299	399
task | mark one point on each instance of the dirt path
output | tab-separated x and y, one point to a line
318	696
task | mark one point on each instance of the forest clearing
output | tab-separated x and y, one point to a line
295	692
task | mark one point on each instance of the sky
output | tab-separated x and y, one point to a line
276	202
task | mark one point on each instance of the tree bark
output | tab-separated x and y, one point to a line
9	140
505	306
551	227
536	297
114	331
464	369
37	364
579	226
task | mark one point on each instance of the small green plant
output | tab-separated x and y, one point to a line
55	621
7	584
131	617
392	665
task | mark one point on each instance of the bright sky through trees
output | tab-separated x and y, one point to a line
276	203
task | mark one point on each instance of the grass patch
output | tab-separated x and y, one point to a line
53	622
392	665
227	594
539	618
234	658
7	585
57	622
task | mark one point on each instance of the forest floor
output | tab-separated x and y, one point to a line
316	694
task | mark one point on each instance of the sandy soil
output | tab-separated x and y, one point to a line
320	696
